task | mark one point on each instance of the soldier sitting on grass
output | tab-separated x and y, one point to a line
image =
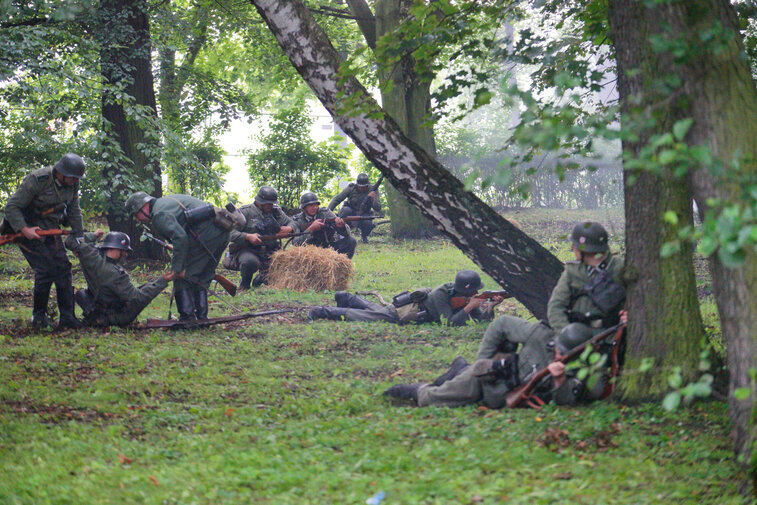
110	297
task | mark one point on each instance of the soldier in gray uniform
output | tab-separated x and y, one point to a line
198	243
247	252
419	307
488	381
355	194
46	199
110	297
335	234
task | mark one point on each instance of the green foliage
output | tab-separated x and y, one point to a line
291	161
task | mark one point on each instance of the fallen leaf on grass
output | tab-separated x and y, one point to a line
228	412
564	476
477	499
124	460
154	480
395	374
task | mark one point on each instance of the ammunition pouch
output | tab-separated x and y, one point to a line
224	220
417	296
267	225
504	369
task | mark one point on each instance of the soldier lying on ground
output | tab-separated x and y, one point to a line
110	297
247	252
198	239
489	380
334	234
46	199
421	306
356	194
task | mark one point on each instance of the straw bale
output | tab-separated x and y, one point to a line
310	267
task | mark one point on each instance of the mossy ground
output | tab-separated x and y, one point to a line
281	410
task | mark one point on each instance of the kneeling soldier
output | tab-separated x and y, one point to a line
323	227
421	306
356	193
110	297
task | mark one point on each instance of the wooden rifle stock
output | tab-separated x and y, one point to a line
457	302
4	239
368	202
199	323
517	396
225	283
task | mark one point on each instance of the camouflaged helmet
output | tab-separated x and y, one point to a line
467	282
572	336
266	194
136	201
70	165
116	240
362	180
589	237
308	198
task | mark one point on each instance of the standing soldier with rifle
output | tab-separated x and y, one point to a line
454	303
361	200
110	297
248	252
324	228
46	199
199	235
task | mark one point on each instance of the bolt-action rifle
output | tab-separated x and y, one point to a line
225	283
12	237
368	202
457	302
200	323
522	394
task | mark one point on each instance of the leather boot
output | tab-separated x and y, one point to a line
65	292
84	299
39	313
244	283
185	304
332	313
201	304
260	279
458	365
404	391
348	300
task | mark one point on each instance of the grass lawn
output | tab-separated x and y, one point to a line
284	411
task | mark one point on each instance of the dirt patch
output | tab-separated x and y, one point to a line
57	413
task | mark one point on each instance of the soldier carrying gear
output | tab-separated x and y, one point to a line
489	380
420	306
47	199
334	234
356	194
110	297
248	253
197	247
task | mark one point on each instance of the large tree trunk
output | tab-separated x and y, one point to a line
515	261
716	90
126	62
404	97
664	319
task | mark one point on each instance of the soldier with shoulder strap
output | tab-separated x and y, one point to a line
47	199
324	228
198	237
356	195
248	252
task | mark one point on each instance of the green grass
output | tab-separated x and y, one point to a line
284	411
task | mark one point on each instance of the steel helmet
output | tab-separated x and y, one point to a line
136	201
308	198
589	237
116	240
266	194
70	165
467	282
572	336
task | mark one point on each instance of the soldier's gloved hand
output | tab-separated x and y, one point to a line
316	225
284	231
253	238
31	232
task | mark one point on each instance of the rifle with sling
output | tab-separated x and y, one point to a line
12	237
200	323
225	283
368	202
523	393
457	302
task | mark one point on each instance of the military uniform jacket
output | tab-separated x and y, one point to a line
108	282
354	198
569	293
167	216
40	192
438	306
254	215
329	234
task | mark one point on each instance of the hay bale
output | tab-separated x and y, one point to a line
310	267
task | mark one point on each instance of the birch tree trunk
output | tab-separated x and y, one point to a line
515	261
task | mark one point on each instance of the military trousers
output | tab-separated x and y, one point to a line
201	264
365	227
128	312
373	312
465	389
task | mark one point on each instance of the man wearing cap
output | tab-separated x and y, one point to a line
110	297
420	306
47	199
356	194
335	234
489	380
198	243
248	252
